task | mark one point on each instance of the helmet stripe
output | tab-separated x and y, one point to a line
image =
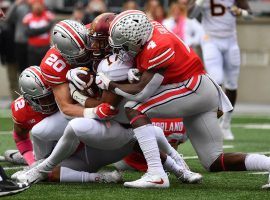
37	73
123	14
76	37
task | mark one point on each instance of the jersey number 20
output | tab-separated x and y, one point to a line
57	64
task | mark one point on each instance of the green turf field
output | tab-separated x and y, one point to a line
252	135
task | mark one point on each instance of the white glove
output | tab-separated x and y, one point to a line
102	81
133	75
72	76
76	95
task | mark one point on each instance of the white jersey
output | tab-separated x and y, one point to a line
116	70
217	20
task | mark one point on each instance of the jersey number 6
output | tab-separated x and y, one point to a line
217	9
57	64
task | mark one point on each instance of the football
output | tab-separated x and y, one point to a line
92	89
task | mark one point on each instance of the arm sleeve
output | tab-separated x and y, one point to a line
25	147
148	90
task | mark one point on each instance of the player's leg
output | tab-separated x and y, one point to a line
42	148
206	137
231	75
51	128
173	161
64	148
107	135
213	61
84	164
145	134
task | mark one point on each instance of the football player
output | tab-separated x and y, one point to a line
36	103
100	47
108	135
220	48
37	106
174	84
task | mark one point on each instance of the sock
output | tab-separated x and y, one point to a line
148	143
257	162
64	148
171	166
73	176
165	146
226	119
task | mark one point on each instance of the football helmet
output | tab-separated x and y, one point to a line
36	92
70	38
129	31
98	35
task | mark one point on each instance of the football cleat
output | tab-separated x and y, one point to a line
267	186
227	133
25	169
15	157
150	181
34	175
9	187
110	177
188	176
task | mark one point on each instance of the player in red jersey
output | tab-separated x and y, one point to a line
163	92
33	106
69	39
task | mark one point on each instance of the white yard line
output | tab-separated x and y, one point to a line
5	132
252	126
12	168
259	173
228	146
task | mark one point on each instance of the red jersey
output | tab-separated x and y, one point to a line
166	50
54	67
173	129
24	115
39	21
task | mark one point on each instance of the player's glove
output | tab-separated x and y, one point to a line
133	75
103	111
102	81
76	95
72	76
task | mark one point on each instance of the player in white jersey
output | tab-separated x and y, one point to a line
220	48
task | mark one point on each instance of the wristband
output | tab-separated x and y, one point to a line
77	96
89	113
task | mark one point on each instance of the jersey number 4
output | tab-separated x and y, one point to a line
57	64
217	9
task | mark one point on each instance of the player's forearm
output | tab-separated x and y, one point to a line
91	102
25	147
71	110
139	91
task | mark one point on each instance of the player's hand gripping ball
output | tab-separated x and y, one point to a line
84	80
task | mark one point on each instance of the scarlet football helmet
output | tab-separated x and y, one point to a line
36	92
98	35
70	39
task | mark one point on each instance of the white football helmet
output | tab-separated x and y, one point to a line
129	31
70	38
36	92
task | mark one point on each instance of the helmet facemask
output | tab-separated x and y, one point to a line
44	103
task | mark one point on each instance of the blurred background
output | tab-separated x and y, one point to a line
253	37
